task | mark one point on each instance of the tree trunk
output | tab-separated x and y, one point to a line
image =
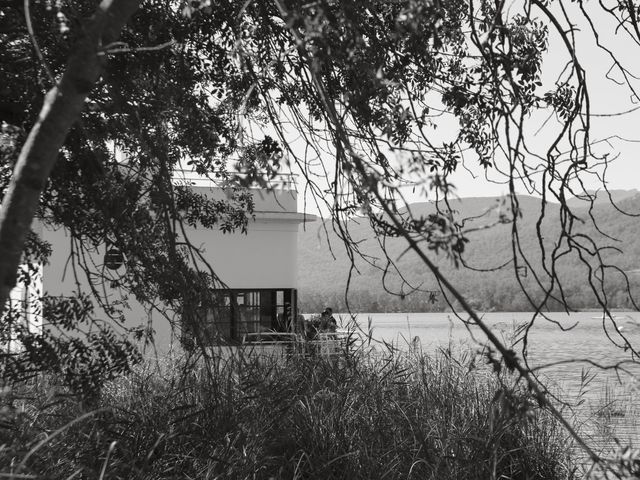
62	107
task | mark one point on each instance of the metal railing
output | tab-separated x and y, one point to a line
325	344
287	180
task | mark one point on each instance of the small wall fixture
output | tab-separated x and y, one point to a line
113	258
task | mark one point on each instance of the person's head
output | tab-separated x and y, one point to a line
328	311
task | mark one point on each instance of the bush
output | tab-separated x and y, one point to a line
369	415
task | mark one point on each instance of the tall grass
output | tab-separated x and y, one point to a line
368	416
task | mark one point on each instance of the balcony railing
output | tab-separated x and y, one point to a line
284	181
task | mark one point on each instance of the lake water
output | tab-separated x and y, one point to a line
606	403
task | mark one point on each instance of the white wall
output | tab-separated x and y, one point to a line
266	257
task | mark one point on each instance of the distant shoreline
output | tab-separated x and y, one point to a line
480	312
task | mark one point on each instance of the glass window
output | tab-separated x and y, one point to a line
235	313
219	315
248	317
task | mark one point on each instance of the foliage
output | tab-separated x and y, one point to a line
398	95
143	110
389	416
84	363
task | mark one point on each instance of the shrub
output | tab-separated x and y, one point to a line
370	415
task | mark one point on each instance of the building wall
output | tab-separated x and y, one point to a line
60	278
265	257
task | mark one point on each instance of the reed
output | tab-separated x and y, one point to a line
367	415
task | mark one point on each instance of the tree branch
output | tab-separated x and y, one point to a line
62	107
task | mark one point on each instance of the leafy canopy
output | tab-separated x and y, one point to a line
367	99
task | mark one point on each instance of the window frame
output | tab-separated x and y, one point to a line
245	311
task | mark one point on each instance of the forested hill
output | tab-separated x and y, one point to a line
489	284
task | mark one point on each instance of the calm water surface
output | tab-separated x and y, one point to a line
606	403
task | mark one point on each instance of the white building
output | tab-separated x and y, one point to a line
259	268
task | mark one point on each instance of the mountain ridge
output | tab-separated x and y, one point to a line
323	279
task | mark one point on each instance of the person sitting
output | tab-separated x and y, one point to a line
330	324
323	323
